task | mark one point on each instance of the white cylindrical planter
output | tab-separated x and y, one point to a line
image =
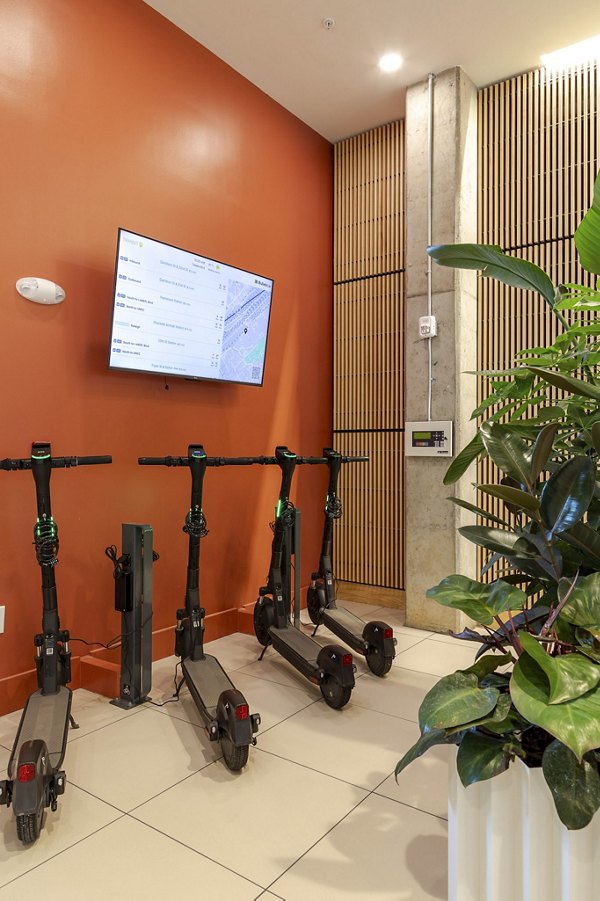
506	842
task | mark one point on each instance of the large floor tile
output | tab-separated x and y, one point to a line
257	823
152	865
358	745
424	782
273	668
364	611
436	657
4	758
78	815
134	759
234	651
9	723
400	693
380	852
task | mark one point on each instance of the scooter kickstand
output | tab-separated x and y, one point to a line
262	653
72	722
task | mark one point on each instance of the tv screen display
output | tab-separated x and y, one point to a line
176	313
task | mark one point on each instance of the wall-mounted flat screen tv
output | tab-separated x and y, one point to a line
176	313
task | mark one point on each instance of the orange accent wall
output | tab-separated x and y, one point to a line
110	116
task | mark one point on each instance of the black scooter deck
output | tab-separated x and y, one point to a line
206	679
45	717
296	647
345	625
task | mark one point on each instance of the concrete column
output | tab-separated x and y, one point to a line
433	547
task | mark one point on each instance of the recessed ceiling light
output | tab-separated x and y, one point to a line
575	55
390	62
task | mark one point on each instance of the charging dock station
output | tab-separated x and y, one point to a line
133	599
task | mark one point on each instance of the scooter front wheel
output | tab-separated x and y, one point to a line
235	756
334	693
29	826
313	605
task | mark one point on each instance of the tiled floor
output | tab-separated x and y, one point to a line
151	810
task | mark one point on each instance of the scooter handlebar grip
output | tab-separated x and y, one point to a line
92	461
311	460
355	459
10	465
232	461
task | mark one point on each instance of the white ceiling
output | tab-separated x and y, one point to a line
330	79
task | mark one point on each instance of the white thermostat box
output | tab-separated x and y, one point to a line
428	439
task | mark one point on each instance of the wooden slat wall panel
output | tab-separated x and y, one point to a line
368	365
539	138
369	536
368	347
369	195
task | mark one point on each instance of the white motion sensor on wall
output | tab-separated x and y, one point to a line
40	290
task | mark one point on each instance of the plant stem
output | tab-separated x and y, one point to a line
555	613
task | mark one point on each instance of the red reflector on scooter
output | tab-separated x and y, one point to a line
26	772
347	660
241	712
388	633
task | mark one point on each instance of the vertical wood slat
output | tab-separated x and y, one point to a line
368	353
535	183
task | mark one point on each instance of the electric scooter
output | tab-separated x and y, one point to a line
329	667
35	778
222	707
374	640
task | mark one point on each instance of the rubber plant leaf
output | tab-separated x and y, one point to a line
585	539
500	541
567	383
542	449
509	452
569	676
479	511
454	700
574	784
463	460
495	264
595	432
575	723
567	494
478	600
480	757
587	235
514	496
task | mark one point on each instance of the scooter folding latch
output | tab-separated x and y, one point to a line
213	731
255	720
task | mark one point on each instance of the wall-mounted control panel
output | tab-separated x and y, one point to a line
428	439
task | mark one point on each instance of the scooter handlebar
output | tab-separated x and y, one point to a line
55	462
210	461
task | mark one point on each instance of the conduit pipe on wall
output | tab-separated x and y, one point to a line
430	79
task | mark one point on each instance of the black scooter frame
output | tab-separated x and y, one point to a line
329	667
222	707
374	640
35	779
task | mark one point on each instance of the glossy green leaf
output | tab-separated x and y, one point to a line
500	541
588	643
463	460
569	676
542	449
495	264
567	494
479	511
488	664
426	741
508	451
595	432
583	607
585	539
480	757
568	383
575	785
480	601
575	723
514	496
454	700
587	235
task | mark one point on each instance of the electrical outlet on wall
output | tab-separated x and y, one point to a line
2	619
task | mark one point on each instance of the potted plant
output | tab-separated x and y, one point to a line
533	691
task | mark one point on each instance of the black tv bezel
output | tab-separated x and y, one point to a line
177	375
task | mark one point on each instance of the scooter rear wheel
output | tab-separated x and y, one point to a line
379	664
28	827
264	617
313	606
334	693
235	756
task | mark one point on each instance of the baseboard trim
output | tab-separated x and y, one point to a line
371	594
